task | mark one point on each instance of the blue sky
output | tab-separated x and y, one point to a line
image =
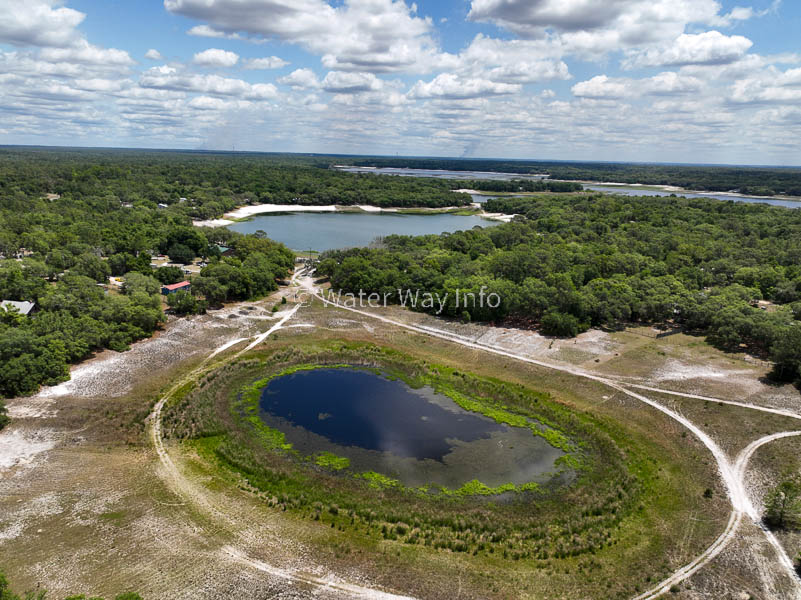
646	80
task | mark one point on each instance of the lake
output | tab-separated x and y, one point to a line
627	191
437	174
327	231
414	435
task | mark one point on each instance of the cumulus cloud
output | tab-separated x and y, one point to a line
169	78
215	57
339	82
39	23
591	28
709	48
85	53
512	61
266	63
360	35
448	85
668	83
301	79
154	54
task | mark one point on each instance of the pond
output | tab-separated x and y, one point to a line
328	231
414	435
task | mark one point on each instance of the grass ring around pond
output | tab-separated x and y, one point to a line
368	482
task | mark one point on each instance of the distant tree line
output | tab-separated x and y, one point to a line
518	185
568	263
210	184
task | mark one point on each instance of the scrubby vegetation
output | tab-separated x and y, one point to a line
7	594
783	504
568	517
571	262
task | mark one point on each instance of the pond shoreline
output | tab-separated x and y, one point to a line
245	213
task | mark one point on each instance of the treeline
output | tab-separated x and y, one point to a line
210	184
73	244
7	594
759	181
518	185
568	263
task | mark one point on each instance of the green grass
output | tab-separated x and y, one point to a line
617	528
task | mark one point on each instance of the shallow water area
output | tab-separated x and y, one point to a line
417	436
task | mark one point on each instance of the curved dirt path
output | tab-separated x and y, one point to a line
183	487
732	477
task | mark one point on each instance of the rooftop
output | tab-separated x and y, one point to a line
24	308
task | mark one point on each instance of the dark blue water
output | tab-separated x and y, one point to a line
357	408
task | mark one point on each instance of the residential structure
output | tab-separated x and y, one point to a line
23	308
175	287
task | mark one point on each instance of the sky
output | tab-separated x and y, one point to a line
691	81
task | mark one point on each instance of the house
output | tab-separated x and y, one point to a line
225	250
24	308
166	290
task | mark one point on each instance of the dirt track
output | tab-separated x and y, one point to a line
65	482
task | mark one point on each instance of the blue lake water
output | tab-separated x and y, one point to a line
417	436
327	231
627	191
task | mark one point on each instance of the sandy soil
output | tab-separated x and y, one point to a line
108	508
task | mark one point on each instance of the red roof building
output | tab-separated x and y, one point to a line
174	287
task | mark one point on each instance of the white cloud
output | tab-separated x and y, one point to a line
154	54
169	78
215	57
209	103
340	82
38	23
360	35
448	85
668	83
206	31
602	86
592	28
266	63
512	61
85	53
302	79
709	48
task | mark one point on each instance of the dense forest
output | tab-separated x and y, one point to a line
69	219
759	181
570	262
209	184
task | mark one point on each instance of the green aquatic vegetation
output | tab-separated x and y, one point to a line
378	481
331	461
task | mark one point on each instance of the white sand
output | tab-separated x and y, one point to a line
244	212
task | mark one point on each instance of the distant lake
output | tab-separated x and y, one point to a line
328	231
414	435
438	174
627	191
624	190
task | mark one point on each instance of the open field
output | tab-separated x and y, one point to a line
88	495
